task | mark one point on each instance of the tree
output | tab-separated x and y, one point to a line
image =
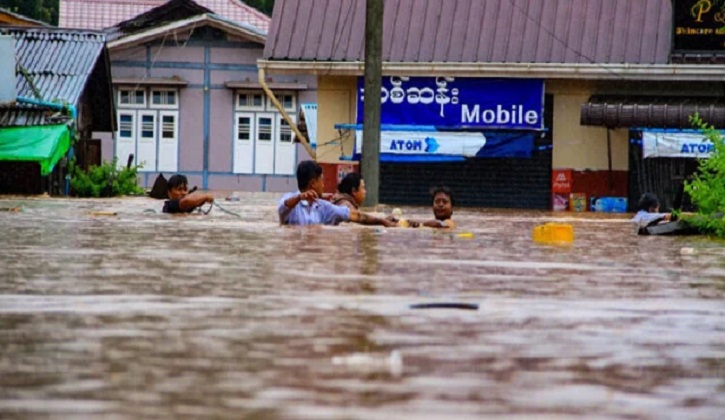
42	10
707	188
264	6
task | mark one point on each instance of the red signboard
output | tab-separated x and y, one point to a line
561	181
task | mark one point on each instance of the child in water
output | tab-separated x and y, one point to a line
442	210
648	213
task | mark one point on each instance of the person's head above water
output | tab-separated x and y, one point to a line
353	185
177	187
649	203
442	202
309	176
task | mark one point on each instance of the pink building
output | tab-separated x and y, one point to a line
187	94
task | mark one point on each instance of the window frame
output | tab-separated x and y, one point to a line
249	108
283	93
132	105
151	91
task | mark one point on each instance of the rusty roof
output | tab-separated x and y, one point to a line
475	31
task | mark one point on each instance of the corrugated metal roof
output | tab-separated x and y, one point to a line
12	116
475	31
101	14
59	61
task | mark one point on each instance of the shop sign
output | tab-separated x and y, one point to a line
432	145
689	145
451	103
699	25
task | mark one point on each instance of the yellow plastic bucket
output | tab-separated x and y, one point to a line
559	233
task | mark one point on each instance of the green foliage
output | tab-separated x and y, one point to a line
43	10
707	187
105	180
264	6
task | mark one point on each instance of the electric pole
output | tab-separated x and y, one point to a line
373	82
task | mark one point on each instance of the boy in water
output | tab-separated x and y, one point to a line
304	207
180	201
648	213
442	209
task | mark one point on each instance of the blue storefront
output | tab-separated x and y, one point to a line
488	139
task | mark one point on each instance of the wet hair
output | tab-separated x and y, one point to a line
349	183
307	171
442	189
648	201
176	181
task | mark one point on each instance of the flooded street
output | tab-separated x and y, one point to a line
146	314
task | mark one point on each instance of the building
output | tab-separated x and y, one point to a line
607	72
188	93
60	89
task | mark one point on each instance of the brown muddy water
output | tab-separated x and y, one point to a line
148	315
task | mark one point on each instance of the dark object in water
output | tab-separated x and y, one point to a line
159	188
445	305
675	227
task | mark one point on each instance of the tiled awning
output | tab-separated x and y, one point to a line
656	112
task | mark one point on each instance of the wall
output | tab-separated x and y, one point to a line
336	104
582	147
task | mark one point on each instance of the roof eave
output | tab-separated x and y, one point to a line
144	36
653	72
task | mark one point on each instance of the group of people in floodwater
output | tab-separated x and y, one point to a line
310	206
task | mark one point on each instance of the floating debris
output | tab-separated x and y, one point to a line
366	362
104	213
445	305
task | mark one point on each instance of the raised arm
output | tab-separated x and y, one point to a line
195	200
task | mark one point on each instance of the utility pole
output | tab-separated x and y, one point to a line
373	83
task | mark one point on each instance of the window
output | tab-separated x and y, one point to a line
148	127
244	128
285	131
132	97
250	101
287	100
125	128
163	98
265	129
168	127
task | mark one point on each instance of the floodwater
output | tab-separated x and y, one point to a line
148	315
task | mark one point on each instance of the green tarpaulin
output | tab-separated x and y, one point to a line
43	144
